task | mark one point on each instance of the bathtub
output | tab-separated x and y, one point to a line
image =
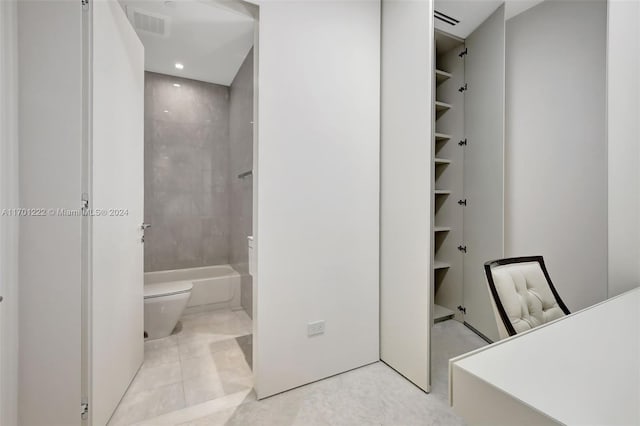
214	287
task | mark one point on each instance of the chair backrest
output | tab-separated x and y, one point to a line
523	296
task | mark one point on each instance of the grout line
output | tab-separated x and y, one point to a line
184	392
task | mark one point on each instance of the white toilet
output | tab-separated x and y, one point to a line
164	304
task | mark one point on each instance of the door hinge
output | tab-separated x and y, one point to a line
462	309
144	226
463	142
462	248
463	53
84	410
462	202
463	88
84	203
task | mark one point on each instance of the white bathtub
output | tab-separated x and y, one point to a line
214	287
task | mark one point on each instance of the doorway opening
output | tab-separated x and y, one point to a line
468	150
198	207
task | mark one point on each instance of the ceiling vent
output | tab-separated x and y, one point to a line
149	23
446	18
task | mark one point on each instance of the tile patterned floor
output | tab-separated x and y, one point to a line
201	361
198	378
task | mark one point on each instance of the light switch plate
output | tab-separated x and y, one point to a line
314	328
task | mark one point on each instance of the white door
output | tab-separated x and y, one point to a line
405	187
117	189
483	166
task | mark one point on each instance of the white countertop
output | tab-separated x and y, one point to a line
581	369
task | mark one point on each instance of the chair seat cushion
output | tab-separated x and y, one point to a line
525	295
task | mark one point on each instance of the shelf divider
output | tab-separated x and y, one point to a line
442	106
442	76
438	264
440	313
441	137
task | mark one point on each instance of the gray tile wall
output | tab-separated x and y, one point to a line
186	173
241	160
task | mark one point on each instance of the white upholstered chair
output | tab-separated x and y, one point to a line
523	296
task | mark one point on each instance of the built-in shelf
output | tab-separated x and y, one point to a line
442	106
446	174
438	264
442	76
441	137
440	313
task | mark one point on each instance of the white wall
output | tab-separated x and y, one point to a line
556	149
623	69
406	185
318	200
8	224
50	126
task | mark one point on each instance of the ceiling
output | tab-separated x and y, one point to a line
471	13
208	38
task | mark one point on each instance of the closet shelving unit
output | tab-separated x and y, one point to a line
447	172
467	162
440	313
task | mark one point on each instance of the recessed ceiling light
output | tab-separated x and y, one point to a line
166	110
179	66
176	85
170	3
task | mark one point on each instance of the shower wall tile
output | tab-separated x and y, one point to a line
241	190
187	161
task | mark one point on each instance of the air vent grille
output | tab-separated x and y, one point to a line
149	22
446	18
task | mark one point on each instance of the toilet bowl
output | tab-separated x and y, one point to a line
164	304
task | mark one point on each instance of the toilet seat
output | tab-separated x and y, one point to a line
167	289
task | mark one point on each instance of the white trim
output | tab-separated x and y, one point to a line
9	198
